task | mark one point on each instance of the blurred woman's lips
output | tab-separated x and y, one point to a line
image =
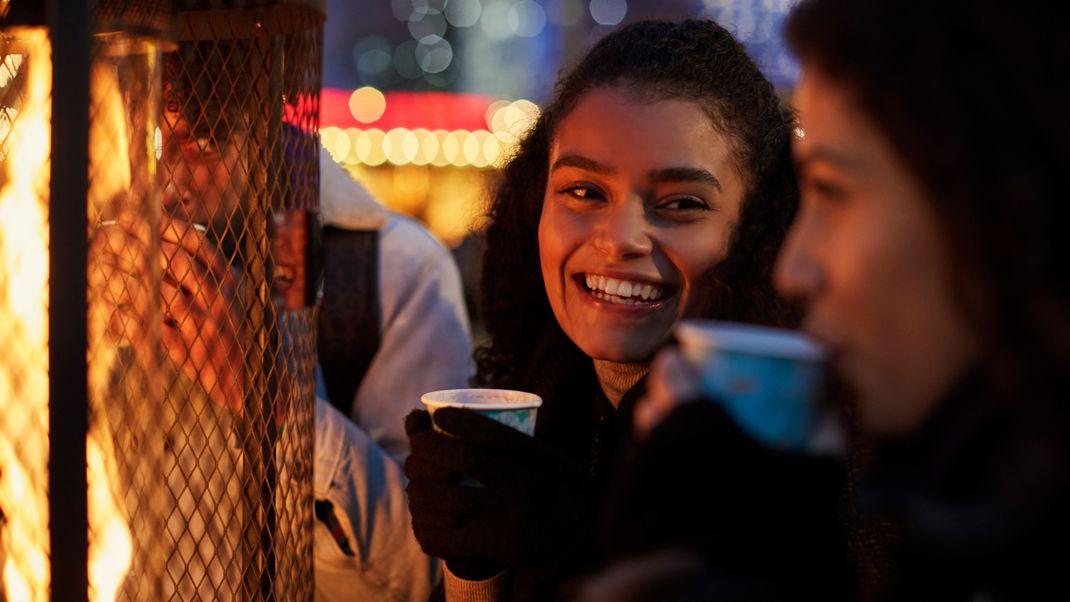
623	290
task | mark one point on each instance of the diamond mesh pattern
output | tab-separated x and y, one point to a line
124	446
237	147
201	381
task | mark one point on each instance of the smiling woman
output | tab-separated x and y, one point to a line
656	185
615	224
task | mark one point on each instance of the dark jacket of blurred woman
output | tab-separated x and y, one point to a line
975	475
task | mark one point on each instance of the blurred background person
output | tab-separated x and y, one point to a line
363	541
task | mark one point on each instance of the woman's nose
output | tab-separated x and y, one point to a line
624	231
799	272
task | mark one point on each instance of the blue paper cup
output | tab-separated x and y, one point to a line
516	409
767	379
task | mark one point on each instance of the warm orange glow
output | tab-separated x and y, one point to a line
24	320
367	104
24	272
110	544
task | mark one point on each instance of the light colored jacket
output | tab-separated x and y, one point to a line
424	345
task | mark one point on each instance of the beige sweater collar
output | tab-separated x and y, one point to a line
617	378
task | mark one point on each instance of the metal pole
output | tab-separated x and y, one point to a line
69	24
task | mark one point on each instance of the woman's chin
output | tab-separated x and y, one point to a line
627	349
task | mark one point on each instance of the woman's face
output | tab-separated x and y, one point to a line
867	255
640	202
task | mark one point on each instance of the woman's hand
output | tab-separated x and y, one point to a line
671	382
535	506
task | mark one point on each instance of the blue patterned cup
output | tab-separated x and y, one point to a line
516	409
767	379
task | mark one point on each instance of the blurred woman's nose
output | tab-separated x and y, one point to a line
799	272
623	231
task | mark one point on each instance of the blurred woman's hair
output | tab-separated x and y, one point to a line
692	60
973	98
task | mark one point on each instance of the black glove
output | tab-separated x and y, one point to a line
535	506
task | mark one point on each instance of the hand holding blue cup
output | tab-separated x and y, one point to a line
767	379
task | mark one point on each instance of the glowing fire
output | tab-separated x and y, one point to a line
24	315
24	537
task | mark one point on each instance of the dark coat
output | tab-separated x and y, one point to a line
979	500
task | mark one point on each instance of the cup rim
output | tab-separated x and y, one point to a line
524	401
748	338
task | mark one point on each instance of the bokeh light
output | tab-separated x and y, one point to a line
451	147
340	146
405	60
526	18
362	148
439	159
463	13
495	20
428	146
434	54
367	104
372	56
377	152
425	24
608	12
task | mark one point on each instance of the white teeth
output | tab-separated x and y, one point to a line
624	292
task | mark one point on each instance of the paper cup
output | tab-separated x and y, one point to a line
516	409
768	379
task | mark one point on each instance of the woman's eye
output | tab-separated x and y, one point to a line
584	192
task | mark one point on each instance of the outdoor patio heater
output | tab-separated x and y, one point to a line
158	199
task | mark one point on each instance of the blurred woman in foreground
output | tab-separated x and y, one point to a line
928	251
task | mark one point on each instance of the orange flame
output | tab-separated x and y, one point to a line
24	316
24	270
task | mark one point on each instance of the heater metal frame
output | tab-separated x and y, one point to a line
70	24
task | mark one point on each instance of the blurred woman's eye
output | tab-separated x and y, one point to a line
684	203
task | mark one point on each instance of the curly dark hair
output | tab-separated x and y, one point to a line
972	103
691	60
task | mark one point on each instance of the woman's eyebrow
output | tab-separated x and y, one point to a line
685	174
581	162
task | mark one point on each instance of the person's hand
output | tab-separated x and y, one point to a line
120	287
671	382
202	313
535	506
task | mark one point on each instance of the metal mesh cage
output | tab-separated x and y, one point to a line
237	166
203	187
